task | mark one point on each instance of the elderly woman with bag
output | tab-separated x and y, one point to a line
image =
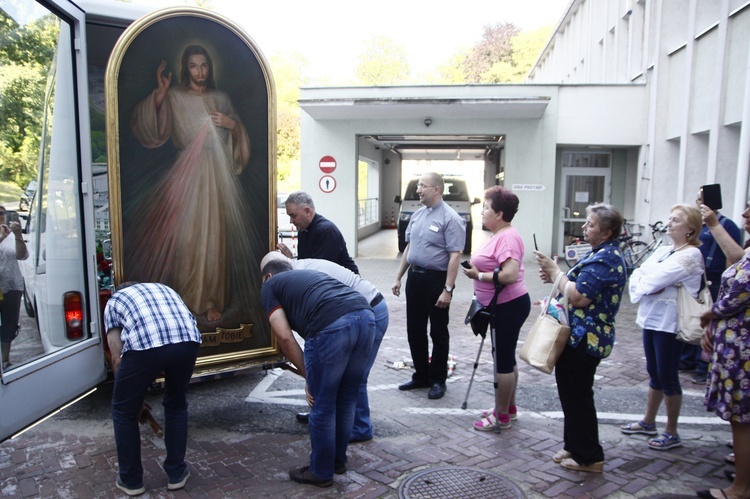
727	338
503	250
594	287
654	286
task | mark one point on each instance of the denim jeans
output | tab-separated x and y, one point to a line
663	361
335	361
138	369
362	429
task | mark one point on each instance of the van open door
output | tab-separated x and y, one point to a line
56	354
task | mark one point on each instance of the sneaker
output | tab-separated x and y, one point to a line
305	476
180	483
639	427
131	491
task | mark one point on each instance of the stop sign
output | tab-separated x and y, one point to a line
327	164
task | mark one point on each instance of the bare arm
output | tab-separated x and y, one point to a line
289	346
444	300
508	273
115	346
729	246
551	270
396	289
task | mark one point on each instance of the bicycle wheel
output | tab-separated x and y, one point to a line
635	254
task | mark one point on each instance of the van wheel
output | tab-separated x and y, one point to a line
27	305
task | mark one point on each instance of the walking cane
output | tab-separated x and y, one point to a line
491	308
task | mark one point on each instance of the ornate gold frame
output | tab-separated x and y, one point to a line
113	152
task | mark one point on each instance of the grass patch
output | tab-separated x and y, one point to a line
10	192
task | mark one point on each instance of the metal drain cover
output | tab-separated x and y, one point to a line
458	482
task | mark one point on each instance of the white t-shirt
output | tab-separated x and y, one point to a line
10	274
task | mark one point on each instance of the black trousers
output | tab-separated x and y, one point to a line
574	373
423	288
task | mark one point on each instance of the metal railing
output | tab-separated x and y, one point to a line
368	211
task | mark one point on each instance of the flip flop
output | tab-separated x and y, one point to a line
708	494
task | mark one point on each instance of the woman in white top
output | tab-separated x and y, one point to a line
654	286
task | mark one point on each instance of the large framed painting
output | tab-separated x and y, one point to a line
191	150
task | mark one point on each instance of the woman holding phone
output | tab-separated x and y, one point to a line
12	249
504	250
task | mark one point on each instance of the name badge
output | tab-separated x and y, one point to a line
434	228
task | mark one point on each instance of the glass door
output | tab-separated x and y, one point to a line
580	188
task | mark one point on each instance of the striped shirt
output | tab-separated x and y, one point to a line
151	315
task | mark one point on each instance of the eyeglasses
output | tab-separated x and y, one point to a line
423	186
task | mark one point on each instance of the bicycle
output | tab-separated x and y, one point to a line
636	252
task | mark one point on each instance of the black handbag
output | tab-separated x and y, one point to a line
479	316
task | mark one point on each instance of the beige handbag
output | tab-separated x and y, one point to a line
689	311
547	338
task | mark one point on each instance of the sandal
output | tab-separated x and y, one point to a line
486	424
665	442
708	494
729	458
512	410
560	455
639	427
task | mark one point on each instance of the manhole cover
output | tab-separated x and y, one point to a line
458	482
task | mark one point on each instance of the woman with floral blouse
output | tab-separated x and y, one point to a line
728	338
594	287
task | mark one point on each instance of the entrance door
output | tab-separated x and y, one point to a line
580	188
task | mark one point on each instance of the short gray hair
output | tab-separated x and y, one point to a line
300	198
609	217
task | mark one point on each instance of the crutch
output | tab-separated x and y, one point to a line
491	314
476	364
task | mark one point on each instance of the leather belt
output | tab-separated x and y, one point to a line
422	270
378	298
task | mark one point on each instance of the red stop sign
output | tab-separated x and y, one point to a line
327	164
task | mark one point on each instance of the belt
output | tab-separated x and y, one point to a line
378	298
422	270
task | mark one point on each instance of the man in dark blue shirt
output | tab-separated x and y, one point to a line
318	236
338	327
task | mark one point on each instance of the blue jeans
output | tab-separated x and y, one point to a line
362	429
138	369
663	361
335	361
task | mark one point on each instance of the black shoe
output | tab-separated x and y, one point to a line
304	475
700	379
412	385
353	440
131	491
437	391
684	366
303	417
339	468
179	483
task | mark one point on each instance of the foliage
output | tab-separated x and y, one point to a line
495	47
9	192
382	62
288	69
26	55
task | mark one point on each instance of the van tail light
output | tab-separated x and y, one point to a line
73	310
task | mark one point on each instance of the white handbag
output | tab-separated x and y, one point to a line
547	338
689	311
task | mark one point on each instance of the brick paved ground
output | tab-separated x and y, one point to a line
412	434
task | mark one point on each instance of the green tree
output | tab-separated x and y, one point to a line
26	55
288	70
493	48
382	62
526	47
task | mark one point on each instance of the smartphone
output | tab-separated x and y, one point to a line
12	217
536	247
465	264
711	194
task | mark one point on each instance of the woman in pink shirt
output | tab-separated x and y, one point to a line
504	250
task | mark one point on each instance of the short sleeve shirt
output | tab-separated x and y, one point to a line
151	315
600	276
311	300
500	247
433	233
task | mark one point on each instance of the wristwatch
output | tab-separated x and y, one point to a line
449	289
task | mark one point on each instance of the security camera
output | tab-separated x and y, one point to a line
427	122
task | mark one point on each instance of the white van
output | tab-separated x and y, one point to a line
455	194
